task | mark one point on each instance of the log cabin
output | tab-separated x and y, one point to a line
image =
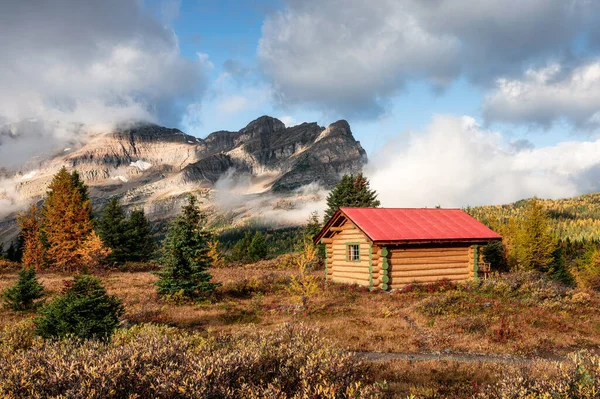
388	248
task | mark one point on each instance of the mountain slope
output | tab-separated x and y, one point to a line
577	218
153	166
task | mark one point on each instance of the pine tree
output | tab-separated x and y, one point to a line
185	259
139	244
34	251
258	248
111	228
67	222
2	254
351	191
22	295
535	244
84	310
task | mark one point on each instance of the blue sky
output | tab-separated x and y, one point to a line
229	31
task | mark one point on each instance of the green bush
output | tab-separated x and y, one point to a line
160	362
22	295
84	310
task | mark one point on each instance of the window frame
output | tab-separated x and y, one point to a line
348	246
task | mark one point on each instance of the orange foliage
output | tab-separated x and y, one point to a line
34	253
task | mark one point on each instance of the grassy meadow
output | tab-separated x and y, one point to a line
517	314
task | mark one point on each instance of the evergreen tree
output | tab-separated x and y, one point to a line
558	269
67	223
258	248
139	245
493	253
111	228
240	250
11	252
34	251
535	243
24	292
2	254
84	310
351	191
185	259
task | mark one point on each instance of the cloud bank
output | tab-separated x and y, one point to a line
456	163
546	95
350	56
91	62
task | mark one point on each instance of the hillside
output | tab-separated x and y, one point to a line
576	219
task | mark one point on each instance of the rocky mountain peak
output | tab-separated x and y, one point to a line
150	165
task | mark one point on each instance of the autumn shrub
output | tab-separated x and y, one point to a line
577	378
246	287
523	286
159	362
17	336
7	266
84	310
137	267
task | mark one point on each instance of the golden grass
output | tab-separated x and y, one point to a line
354	317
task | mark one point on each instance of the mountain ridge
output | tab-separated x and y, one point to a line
150	166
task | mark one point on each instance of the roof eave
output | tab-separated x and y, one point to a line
441	241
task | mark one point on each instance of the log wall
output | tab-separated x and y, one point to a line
429	263
339	269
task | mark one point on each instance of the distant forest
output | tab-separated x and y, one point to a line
574	219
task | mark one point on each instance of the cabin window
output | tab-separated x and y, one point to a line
353	252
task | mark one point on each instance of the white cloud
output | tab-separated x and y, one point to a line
547	95
455	162
232	104
351	55
287	120
92	63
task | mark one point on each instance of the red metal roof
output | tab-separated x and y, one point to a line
418	224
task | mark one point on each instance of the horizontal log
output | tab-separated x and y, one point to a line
326	240
343	244
423	280
361	279
350	281
352	269
352	273
431	266
425	254
425	261
425	249
424	273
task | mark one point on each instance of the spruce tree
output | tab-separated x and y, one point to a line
139	243
351	191
185	260
535	243
84	310
2	254
258	248
111	228
22	295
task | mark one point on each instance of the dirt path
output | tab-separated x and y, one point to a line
454	357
